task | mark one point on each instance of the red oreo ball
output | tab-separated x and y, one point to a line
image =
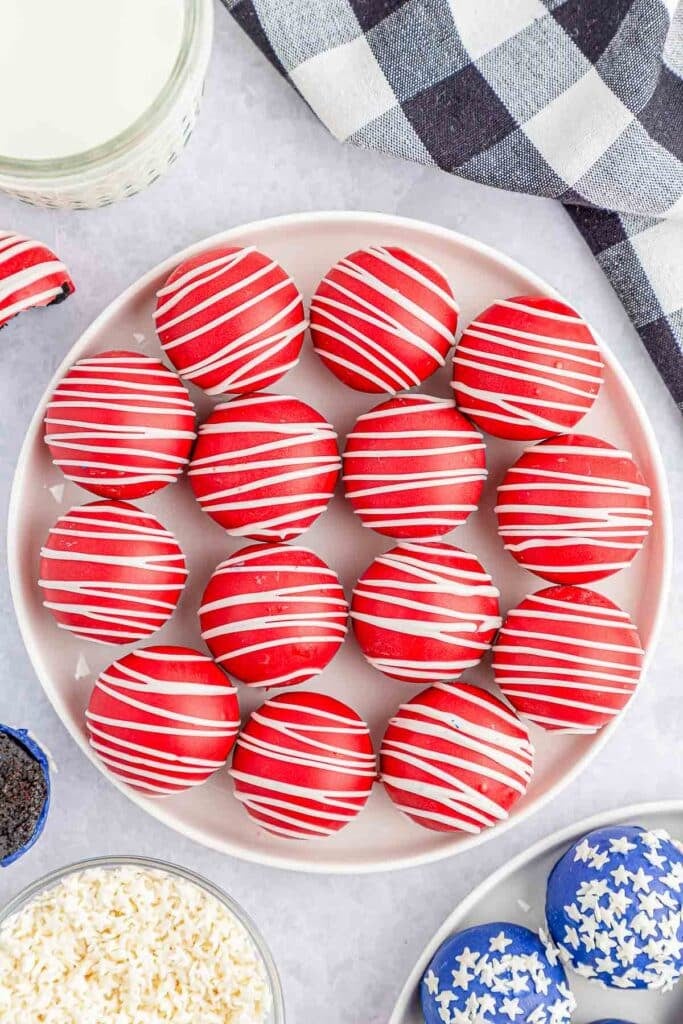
304	765
456	759
568	659
111	573
120	424
414	467
425	612
265	466
163	719
383	319
273	615
30	275
231	320
526	368
574	509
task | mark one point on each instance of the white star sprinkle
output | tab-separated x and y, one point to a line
641	881
621	845
432	982
499	943
511	1008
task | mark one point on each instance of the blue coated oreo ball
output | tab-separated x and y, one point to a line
496	973
614	906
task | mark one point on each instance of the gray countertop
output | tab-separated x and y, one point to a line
343	944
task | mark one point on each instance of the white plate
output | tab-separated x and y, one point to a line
380	838
521	884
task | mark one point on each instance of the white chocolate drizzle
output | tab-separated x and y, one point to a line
120	422
468	784
565	664
133	687
439	471
278	619
287	469
425	597
207	306
407	312
108	596
318	748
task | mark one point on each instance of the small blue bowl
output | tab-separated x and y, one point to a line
25	740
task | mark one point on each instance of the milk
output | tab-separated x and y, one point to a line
76	73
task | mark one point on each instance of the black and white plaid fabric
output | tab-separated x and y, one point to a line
580	100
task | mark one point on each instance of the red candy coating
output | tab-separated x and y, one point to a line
526	368
265	466
568	659
303	765
273	615
383	319
574	509
111	572
231	320
120	424
163	719
414	467
30	275
455	759
425	612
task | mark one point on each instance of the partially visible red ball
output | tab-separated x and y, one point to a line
30	275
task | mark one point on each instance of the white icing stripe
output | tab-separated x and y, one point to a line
417	764
374	297
40	283
206	335
305	744
548	313
590	654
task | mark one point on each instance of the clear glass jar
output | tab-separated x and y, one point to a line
277	1014
139	155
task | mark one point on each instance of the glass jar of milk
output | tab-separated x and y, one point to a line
97	97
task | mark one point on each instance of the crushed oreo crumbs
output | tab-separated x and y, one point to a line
23	792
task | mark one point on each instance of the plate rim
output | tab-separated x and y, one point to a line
281	859
562	835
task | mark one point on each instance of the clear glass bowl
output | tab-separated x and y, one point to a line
277	1014
138	156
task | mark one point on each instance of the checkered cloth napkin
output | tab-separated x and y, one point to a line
580	100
